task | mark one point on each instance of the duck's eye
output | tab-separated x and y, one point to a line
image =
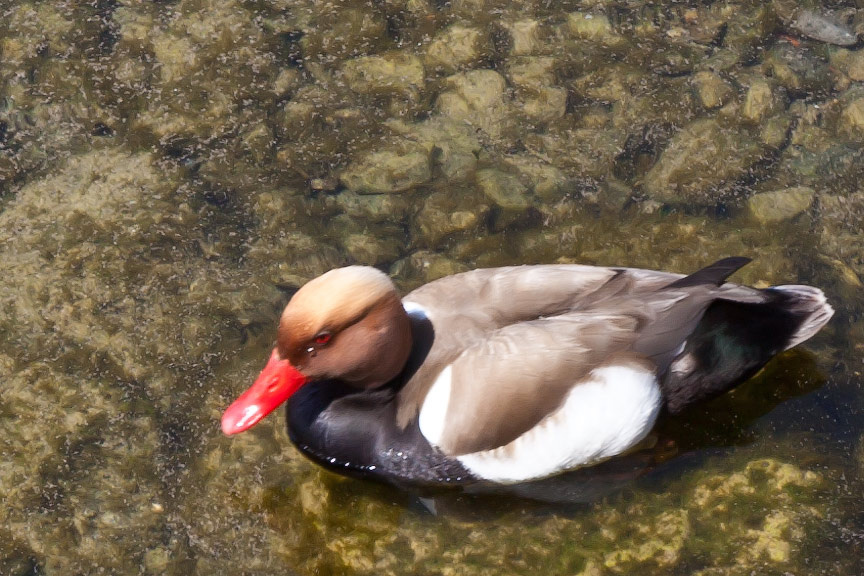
323	338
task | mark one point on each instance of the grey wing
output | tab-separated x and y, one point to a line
466	308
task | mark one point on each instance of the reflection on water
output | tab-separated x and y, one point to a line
171	171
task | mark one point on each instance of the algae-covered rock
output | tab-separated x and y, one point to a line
712	90
544	179
587	153
476	98
388	171
774	132
850	62
448	213
801	70
852	120
592	27
523	37
374	207
391	73
760	102
453	145
456	48
841	217
371	250
536	96
662	544
503	190
423	267
699	161
780	205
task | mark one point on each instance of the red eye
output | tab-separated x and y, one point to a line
323	338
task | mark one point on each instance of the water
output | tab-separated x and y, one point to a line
170	172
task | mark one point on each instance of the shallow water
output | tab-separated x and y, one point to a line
171	171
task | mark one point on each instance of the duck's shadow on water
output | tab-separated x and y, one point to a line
681	443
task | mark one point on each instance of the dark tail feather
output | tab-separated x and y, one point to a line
734	340
714	274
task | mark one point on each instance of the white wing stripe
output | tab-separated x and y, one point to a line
434	410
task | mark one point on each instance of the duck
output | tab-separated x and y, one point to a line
508	375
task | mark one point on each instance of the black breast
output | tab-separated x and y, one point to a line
355	434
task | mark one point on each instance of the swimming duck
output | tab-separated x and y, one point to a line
508	375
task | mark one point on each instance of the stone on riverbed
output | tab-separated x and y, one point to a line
544	179
453	145
760	102
522	37
342	32
537	98
456	48
711	89
700	162
592	27
507	193
852	120
504	190
823	27
803	70
850	62
392	73
478	99
388	171
423	267
449	213
779	205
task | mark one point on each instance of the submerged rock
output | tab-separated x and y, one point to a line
374	207
391	73
760	102
592	27
448	214
456	48
700	161
338	31
547	181
802	70
388	171
423	267
452	145
850	62
371	250
712	90
824	28
852	120
504	190
523	37
780	205
476	98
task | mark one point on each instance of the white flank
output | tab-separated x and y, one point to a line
605	416
434	410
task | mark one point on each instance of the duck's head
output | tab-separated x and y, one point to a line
347	324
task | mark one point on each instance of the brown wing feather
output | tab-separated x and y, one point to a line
494	310
505	385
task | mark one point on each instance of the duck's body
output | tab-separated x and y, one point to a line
513	374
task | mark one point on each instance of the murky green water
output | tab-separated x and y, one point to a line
170	171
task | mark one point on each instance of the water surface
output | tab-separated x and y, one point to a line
171	171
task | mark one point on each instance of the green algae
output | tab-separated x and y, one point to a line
171	171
